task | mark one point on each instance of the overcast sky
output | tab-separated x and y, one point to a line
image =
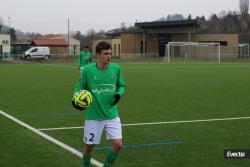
50	16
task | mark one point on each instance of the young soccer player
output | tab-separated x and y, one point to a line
85	58
105	81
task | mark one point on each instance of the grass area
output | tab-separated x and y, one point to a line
40	95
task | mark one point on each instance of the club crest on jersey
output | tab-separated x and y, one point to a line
95	77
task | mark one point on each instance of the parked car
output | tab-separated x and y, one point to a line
37	52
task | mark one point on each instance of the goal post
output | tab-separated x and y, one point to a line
193	50
243	50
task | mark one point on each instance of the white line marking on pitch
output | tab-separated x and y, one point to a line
58	65
61	128
155	123
170	67
51	139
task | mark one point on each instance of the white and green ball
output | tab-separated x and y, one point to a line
83	99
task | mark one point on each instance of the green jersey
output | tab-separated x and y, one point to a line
103	84
84	58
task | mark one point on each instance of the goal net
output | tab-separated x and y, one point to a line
243	50
192	51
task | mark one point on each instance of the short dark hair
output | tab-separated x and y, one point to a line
102	46
86	46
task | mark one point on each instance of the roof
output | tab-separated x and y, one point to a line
49	42
49	36
118	31
159	24
21	41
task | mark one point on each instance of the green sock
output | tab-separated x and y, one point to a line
112	155
86	160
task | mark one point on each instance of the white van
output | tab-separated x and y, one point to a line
37	52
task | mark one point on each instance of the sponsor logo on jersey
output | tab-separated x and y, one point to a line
104	89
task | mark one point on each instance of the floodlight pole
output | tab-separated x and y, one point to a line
168	52
219	52
9	24
68	40
248	50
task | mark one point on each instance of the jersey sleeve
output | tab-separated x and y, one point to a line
90	56
79	59
82	83
120	83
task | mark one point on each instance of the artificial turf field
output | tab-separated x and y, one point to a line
190	106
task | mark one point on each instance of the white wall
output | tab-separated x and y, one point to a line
5	43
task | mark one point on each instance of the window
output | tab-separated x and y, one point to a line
74	50
142	47
222	43
119	50
34	50
5	42
114	49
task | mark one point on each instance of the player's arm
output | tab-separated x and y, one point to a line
120	88
79	62
82	83
90	56
120	83
79	59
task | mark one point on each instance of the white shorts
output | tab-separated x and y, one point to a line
81	69
93	130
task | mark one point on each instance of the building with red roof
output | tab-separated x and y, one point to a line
58	44
49	42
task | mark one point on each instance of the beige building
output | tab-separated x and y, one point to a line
4	45
115	43
74	44
150	39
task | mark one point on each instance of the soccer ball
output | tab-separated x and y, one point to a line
83	99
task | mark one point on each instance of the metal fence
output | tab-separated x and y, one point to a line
128	58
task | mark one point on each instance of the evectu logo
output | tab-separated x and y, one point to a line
237	154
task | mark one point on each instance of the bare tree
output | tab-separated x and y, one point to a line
244	7
175	17
1	24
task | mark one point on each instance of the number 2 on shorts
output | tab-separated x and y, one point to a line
92	137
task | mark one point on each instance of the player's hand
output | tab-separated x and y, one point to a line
76	107
117	98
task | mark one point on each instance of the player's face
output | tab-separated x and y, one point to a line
105	56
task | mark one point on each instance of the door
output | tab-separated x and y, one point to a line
35	53
163	40
1	51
